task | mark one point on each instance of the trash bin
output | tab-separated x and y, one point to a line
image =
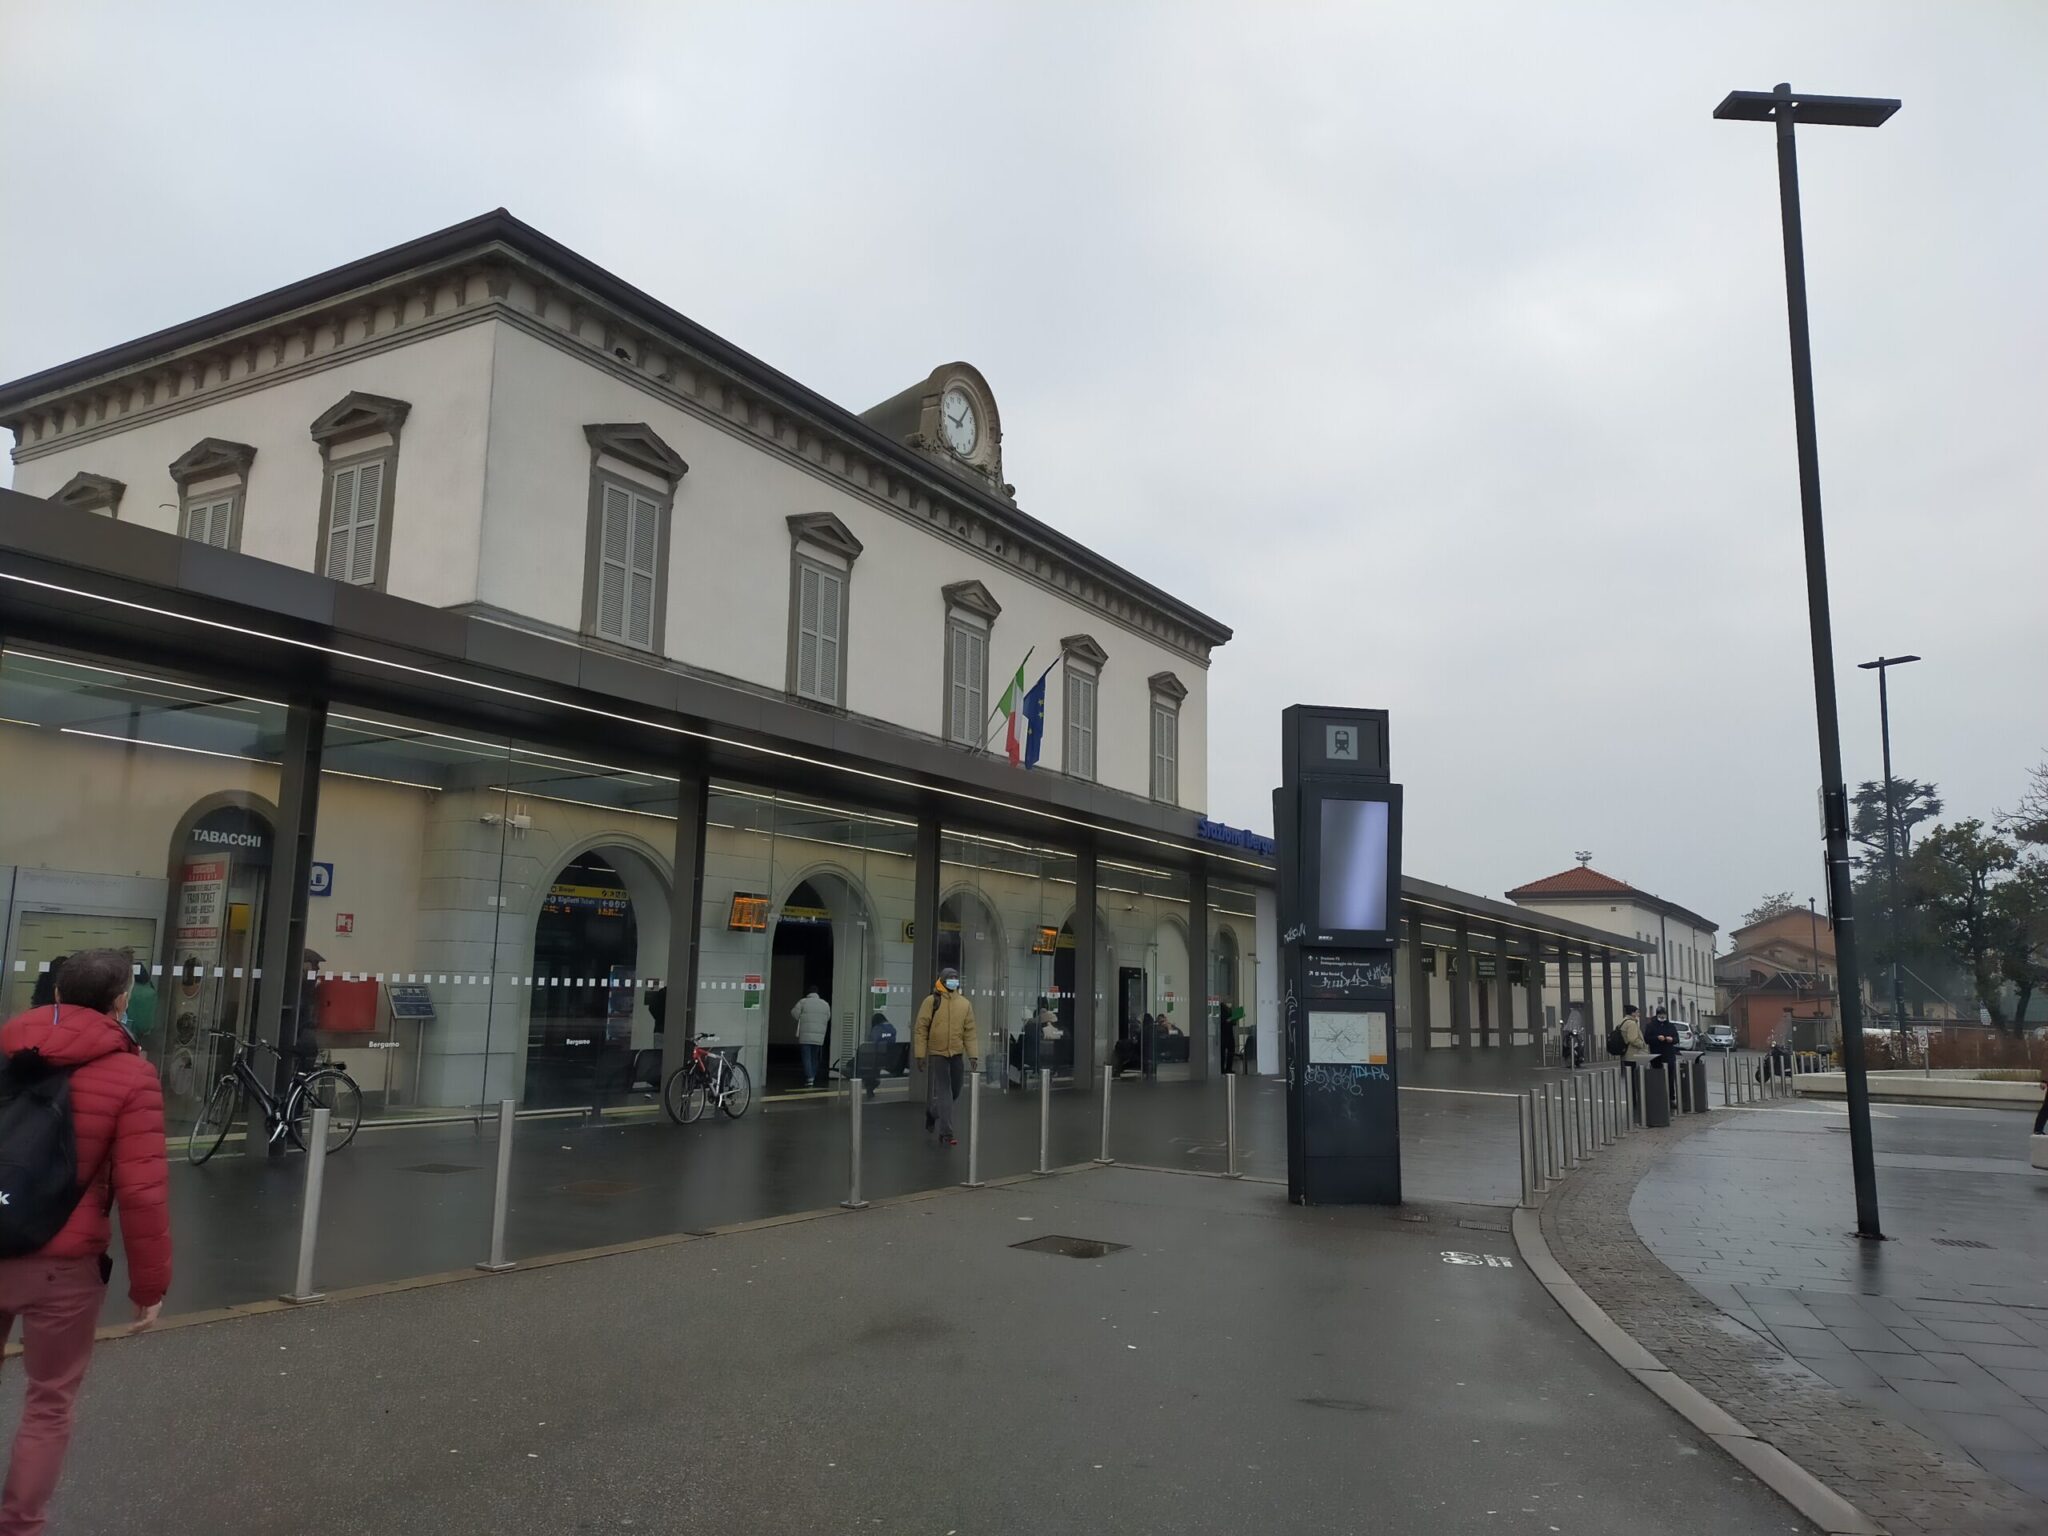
1656	1096
1698	1068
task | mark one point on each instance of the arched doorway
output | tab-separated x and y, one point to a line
602	927
971	942
823	942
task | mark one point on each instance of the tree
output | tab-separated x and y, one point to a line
1954	875
2019	910
1916	801
1777	904
2028	822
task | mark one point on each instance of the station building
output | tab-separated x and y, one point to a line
465	656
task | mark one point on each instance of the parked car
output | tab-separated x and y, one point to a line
1719	1037
1689	1037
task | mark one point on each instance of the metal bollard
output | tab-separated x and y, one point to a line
853	1201
1684	1088
1108	1077
309	1214
1560	1129
1525	1127
973	1179
1606	1108
1044	1121
503	1195
1577	1116
1230	1125
1539	1130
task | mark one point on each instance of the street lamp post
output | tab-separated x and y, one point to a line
1785	109
1891	820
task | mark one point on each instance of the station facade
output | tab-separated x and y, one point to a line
467	659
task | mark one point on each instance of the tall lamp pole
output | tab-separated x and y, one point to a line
1891	820
1785	109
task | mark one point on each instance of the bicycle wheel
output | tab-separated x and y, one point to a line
211	1129
684	1097
739	1090
336	1092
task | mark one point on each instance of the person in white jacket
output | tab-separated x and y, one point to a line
813	1015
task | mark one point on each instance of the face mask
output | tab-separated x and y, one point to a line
128	1028
952	983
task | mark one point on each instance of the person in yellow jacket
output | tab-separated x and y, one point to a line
944	1039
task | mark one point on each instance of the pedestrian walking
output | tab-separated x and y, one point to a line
2041	1114
881	1035
813	1016
945	1041
75	1055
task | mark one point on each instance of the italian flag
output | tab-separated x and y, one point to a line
1012	705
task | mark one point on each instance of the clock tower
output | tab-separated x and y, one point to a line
950	417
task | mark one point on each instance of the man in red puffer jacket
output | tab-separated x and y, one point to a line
117	1113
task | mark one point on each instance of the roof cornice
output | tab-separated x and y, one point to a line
476	266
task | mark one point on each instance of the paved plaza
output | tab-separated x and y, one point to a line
1755	1205
1240	1364
409	1201
1944	1327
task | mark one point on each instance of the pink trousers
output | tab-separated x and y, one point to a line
58	1303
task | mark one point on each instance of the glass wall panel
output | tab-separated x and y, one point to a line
1006	911
138	811
1152	995
805	946
1233	978
490	919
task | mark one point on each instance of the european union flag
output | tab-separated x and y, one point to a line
1034	718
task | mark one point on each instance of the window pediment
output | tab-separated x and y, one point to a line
637	444
972	597
357	414
1082	648
91	493
211	458
1166	686
827	532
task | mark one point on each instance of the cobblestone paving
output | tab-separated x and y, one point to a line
1892	1473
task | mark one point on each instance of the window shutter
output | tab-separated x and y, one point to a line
614	539
807	581
640	605
362	569
829	608
217	530
341	522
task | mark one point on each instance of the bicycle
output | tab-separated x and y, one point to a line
325	1087
708	1077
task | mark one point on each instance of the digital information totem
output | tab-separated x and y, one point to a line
1337	819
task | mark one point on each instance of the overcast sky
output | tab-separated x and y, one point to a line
1439	349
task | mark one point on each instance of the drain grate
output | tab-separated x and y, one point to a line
595	1187
1959	1242
1072	1247
440	1168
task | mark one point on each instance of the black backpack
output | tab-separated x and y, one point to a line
1617	1043
39	1186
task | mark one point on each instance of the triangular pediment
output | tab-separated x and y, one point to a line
1083	648
357	414
638	444
91	493
827	532
210	458
972	597
1166	686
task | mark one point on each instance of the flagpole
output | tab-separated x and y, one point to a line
991	720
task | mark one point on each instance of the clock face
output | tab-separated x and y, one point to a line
956	421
